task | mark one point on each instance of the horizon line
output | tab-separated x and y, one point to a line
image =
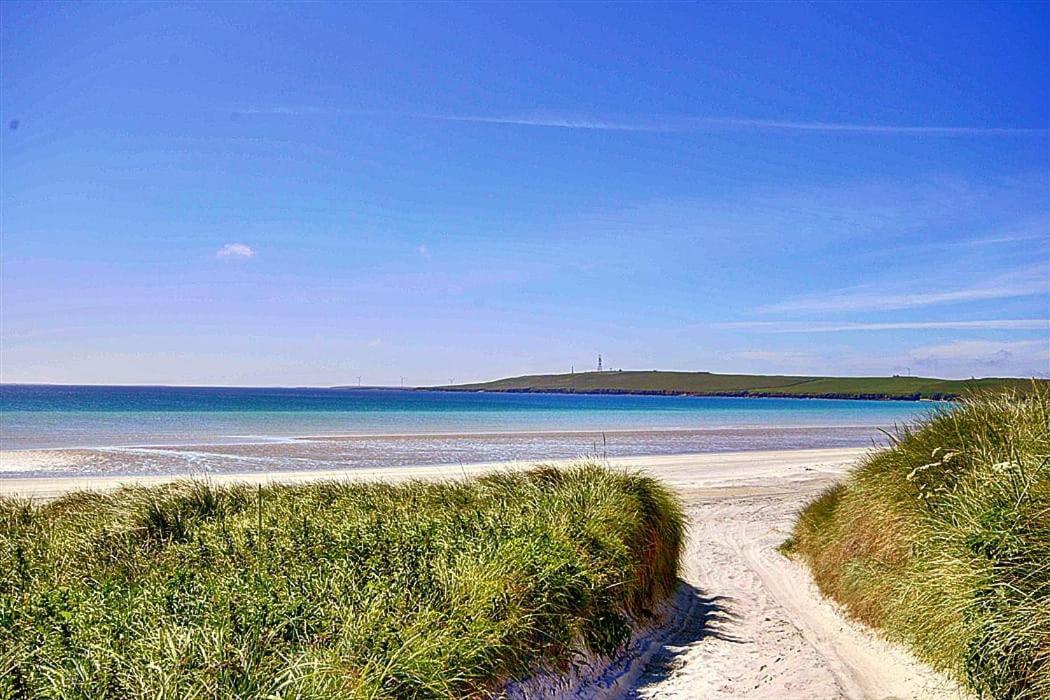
395	387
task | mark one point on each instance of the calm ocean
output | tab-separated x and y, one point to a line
172	429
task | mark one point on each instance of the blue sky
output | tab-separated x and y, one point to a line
304	194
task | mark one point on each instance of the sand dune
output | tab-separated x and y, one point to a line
746	622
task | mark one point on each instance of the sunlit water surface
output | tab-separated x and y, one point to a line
78	430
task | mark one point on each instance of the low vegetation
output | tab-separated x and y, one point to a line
943	542
708	384
421	590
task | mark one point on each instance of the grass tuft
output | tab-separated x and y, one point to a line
943	542
421	590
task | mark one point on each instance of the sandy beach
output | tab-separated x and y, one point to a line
754	624
747	622
689	473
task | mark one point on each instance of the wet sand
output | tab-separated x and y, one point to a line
352	452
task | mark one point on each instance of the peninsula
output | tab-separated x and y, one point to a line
657	382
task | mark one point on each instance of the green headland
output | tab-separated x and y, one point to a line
756	385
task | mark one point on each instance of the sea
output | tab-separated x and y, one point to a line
152	430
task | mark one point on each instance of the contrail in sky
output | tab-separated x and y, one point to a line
662	124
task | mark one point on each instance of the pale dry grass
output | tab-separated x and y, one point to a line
943	541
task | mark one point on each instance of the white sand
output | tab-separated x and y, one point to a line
763	629
684	472
748	622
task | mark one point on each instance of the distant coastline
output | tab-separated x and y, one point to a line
660	383
706	394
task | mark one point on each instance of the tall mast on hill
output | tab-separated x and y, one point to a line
599	363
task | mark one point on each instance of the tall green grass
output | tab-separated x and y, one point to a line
330	589
943	541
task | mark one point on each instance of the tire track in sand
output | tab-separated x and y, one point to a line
778	637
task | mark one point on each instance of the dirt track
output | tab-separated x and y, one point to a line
761	629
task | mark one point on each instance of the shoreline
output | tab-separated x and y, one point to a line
467	389
684	471
672	393
250	440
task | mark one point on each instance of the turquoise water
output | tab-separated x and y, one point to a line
172	429
50	416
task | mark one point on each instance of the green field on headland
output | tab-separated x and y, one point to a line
943	542
709	384
328	590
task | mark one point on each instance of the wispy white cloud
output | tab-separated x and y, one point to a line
777	355
423	251
877	128
292	110
668	124
986	353
833	327
999	240
687	124
235	250
1035	231
1021	283
562	122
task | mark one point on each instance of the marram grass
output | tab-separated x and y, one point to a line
943	542
327	590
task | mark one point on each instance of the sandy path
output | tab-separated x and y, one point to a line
762	629
749	622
